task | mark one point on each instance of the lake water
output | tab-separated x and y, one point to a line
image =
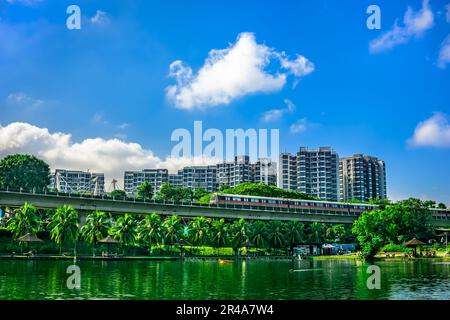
254	279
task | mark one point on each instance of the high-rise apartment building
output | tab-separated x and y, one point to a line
362	178
69	181
199	177
133	179
314	172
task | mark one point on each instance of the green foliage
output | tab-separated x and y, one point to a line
258	234
120	194
205	199
175	194
125	229
25	220
173	230
294	233
219	232
150	230
275	235
391	247
239	233
24	171
199	228
395	224
441	206
96	228
264	190
63	225
145	190
199	193
316	233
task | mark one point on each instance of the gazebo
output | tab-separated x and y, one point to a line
109	240
28	238
414	243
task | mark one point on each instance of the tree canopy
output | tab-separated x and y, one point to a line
24	171
264	190
395	224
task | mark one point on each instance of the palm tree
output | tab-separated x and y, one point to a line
96	228
25	220
219	231
258	234
316	232
124	229
63	226
172	229
199	229
150	230
294	233
275	234
239	230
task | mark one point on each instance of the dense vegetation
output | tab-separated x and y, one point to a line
24	171
152	230
395	224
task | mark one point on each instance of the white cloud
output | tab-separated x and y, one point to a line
109	156
276	114
300	126
227	74
444	53
100	18
433	132
23	100
415	24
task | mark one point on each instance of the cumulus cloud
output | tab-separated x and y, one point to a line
444	53
100	18
237	71
414	25
276	114
433	132
109	156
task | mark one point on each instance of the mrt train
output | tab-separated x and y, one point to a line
298	205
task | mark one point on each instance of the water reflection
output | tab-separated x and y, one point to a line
305	279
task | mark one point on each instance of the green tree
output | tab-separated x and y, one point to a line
173	229
264	190
395	224
63	226
239	234
258	234
150	231
96	228
316	233
145	191
119	194
441	206
199	193
24	171
219	232
25	220
275	236
199	230
125	230
175	194
294	233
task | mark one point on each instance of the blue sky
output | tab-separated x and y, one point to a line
109	80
